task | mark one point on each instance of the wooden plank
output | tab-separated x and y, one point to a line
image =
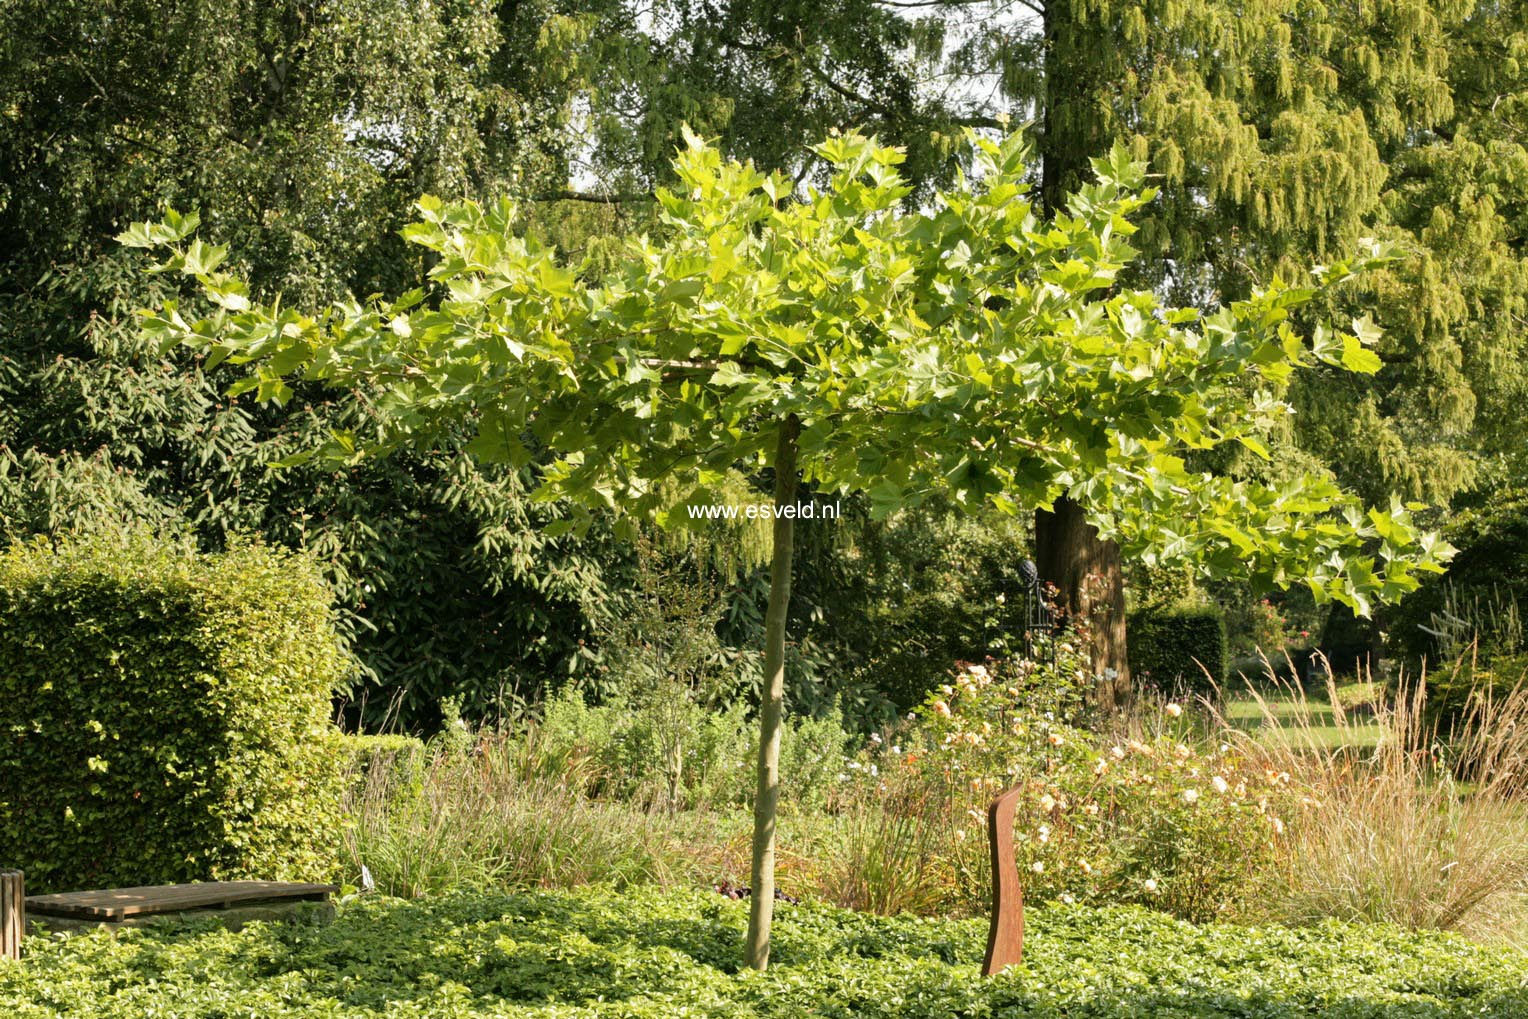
12	913
111	904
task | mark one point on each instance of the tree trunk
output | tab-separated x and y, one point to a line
1090	592
761	906
1067	549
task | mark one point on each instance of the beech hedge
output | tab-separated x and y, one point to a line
1167	648
164	714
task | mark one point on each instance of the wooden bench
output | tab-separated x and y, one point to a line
252	899
115	905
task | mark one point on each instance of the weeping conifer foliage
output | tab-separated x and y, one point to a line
1282	131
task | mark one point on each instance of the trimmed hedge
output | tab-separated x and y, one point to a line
164	714
364	752
1166	647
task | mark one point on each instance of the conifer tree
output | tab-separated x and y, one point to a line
1280	131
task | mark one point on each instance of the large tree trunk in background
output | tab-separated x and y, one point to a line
1067	548
1090	591
1351	645
761	906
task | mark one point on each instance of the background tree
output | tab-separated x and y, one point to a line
307	130
956	350
1280	132
769	79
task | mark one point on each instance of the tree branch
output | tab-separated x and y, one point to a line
568	195
952	3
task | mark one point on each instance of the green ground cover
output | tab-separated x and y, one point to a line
664	954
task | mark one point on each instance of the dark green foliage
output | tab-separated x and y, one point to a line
1458	691
165	715
652	955
305	132
896	607
1465	630
447	584
1170	649
1476	608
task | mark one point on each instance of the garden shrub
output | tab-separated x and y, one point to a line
812	754
1167	648
1155	820
391	759
365	751
164	714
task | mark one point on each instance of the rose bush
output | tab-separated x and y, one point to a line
1159	817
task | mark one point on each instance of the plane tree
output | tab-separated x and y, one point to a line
974	347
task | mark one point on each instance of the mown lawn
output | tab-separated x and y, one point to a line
1312	723
664	954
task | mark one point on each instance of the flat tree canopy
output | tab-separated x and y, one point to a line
969	348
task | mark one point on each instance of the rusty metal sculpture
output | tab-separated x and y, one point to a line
1005	938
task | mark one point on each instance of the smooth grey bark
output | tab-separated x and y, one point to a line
761	907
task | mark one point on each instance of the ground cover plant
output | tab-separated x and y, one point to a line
662	954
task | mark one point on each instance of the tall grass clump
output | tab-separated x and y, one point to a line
1427	829
888	853
471	820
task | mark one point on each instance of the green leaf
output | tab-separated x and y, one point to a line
1255	445
1356	357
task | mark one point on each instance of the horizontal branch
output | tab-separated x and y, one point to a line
618	198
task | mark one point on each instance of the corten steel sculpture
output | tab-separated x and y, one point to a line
1005	938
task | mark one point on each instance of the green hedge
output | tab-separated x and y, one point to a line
364	752
1167	646
164	715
